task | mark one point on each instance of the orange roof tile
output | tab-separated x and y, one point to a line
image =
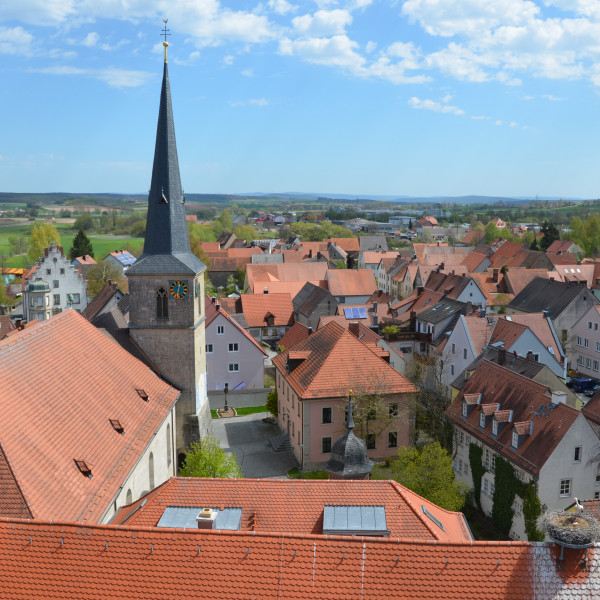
55	415
305	271
68	560
350	244
294	335
282	287
473	260
338	360
85	260
347	282
256	308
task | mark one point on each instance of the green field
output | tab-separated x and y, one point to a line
103	244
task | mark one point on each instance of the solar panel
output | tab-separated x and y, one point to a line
348	313
363	313
355	313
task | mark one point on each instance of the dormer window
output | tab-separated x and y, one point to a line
515	439
465	409
494	427
482	419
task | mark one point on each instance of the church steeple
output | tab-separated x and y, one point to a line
166	227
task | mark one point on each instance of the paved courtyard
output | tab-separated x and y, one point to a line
247	437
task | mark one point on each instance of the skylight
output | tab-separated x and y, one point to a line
434	519
84	468
117	425
355	520
142	394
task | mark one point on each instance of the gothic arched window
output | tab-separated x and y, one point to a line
162	307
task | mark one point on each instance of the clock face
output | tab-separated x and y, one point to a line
178	289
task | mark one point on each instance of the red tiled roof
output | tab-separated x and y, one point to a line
366	334
526	398
256	308
502	416
473	260
517	279
6	326
338	360
305	271
283	287
473	236
472	398
211	312
100	301
12	501
68	560
55	415
559	246
296	506
294	335
347	282
85	260
350	244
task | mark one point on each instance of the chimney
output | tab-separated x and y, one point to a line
559	397
217	305
309	330
213	299
529	355
353	328
501	356
420	289
413	320
206	518
310	254
495	275
265	291
446	292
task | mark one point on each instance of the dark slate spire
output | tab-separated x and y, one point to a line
166	228
348	458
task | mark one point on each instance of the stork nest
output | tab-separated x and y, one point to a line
572	528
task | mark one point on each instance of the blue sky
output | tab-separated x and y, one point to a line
414	97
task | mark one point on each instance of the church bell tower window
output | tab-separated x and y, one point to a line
162	307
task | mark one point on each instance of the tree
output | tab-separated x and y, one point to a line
428	472
226	220
81	246
207	459
85	222
551	234
272	404
100	274
41	237
18	244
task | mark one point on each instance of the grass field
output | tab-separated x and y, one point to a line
103	244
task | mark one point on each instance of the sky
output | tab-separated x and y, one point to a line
378	97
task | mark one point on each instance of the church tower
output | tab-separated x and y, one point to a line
166	286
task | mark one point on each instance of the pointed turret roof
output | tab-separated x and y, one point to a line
167	243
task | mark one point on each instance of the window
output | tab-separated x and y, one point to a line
55	283
461	437
492	488
451	369
494	427
326	414
62	271
589	324
56	299
169	446
234	367
586	342
162	304
40	301
453	348
486	487
596	495
371	414
393	409
565	487
579	341
577	455
48	271
423	347
234	347
128	497
47	300
481	419
588	363
597	346
486	458
493	461
341	300
266	331
209	348
76	298
151	471
595	365
326	445
220	329
515	440
392	439
595	326
465	409
370	441
465	353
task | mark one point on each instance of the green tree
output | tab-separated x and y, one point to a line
81	246
84	221
100	274
207	459
226	220
41	237
246	232
18	244
551	234
272	404
428	472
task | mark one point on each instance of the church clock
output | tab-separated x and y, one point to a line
178	289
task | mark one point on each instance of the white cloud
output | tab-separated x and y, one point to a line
228	60
91	39
247	73
322	23
15	40
552	98
339	51
282	7
37	12
498	122
252	102
370	47
480	118
434	106
114	77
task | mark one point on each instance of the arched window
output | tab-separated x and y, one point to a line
129	497
162	307
151	470
169	446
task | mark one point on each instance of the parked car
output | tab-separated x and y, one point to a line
592	391
581	384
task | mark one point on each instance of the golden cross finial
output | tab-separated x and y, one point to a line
165	32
